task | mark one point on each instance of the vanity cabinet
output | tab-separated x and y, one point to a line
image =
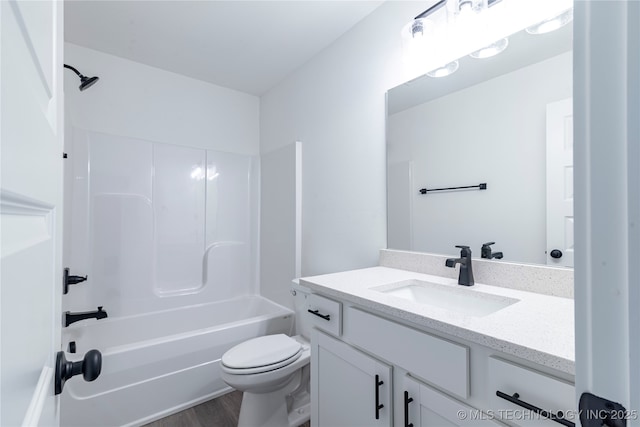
350	388
369	370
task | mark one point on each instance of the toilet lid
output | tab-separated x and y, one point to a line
261	351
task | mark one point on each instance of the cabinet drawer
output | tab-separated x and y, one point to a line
325	314
440	362
538	389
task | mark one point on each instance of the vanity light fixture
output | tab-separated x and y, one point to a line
492	50
552	24
451	29
445	70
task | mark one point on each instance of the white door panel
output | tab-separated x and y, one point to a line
30	209
607	202
560	182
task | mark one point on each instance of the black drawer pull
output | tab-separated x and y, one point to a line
407	400
378	404
515	399
316	312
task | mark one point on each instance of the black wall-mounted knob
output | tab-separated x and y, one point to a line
556	253
89	367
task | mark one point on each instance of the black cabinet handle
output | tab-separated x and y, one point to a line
407	400
515	399
317	313
378	404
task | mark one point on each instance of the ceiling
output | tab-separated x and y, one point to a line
249	46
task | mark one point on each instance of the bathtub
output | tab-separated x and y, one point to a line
159	363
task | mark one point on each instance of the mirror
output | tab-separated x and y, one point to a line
505	121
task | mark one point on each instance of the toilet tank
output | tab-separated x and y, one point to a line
300	306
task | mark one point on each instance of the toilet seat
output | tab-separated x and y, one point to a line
261	354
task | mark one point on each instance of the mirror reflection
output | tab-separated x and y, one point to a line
505	121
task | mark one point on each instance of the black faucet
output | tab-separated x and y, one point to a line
466	272
70	318
485	252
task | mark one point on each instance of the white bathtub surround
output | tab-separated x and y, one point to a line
157	226
552	281
159	363
538	328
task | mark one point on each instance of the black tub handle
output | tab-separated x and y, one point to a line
515	399
317	313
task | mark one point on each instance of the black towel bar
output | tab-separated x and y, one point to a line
482	186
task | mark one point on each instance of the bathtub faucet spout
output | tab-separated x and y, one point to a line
70	318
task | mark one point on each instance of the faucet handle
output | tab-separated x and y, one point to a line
465	251
488	244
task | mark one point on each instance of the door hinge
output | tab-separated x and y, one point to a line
596	412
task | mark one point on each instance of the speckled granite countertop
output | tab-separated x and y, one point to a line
538	328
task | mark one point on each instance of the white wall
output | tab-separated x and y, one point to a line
493	132
141	104
335	105
139	101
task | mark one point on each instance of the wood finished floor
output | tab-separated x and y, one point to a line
220	412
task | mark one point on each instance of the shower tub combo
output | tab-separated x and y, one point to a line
159	363
167	236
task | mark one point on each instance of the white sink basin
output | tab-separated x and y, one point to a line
458	299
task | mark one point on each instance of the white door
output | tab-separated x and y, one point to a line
348	388
425	407
560	245
30	209
607	202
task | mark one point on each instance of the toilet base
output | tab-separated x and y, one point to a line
300	411
270	410
263	410
287	407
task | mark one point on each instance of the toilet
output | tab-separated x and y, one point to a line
273	373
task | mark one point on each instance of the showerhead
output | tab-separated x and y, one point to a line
85	82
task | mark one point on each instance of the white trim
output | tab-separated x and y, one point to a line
15	204
606	159
41	393
633	179
298	204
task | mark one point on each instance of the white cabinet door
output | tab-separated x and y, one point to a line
30	209
426	407
348	388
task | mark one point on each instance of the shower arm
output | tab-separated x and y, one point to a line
73	69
